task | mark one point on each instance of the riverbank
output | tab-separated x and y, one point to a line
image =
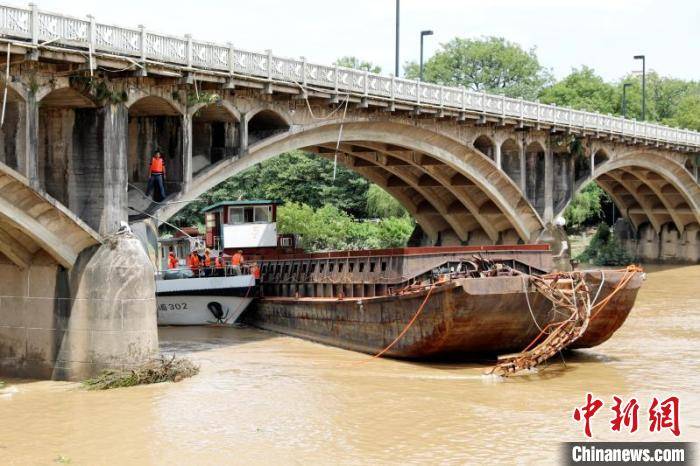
264	398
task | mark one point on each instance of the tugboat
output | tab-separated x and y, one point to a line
200	294
419	302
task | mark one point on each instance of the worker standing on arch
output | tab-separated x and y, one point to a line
156	175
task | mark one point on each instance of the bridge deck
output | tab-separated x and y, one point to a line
31	27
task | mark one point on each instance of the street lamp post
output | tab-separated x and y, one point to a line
644	84
624	99
422	35
396	62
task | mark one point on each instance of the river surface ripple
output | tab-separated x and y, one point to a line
264	398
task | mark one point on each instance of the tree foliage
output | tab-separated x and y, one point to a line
329	228
584	90
291	177
585	207
381	204
357	64
605	249
490	64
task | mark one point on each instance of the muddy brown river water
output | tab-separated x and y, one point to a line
263	398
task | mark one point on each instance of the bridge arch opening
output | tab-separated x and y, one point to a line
510	159
265	123
155	124
12	133
534	185
486	146
70	161
445	186
600	156
582	168
215	135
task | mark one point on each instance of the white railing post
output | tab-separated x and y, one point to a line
503	106
418	93
188	52
366	83
231	59
337	74
142	28
539	108
393	88
303	71
464	99
91	41
269	65
34	22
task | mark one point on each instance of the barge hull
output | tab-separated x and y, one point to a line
462	317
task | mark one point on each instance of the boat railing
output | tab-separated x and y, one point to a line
186	272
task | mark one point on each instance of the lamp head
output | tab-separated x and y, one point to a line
426	33
639	57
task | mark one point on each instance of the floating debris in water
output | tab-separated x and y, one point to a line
155	371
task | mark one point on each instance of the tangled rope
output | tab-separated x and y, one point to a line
569	295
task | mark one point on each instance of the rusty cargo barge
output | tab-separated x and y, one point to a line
363	300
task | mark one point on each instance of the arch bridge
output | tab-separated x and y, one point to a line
85	104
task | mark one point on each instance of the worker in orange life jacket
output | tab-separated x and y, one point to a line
207	263
173	261
194	263
219	265
156	175
237	261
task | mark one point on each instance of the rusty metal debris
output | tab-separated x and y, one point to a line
570	298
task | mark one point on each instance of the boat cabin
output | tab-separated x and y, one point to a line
249	225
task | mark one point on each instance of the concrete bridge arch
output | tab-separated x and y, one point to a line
451	186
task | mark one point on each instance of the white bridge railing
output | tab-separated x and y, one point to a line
37	27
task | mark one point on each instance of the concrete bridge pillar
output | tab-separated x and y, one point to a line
186	152
31	165
243	142
115	198
548	183
523	167
497	154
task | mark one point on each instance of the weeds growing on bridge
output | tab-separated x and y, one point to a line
155	371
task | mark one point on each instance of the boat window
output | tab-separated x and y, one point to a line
286	268
352	267
277	268
340	267
313	268
383	266
371	266
263	214
303	268
362	267
331	266
295	268
321	267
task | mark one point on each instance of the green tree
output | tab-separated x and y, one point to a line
605	249
687	113
295	177
585	207
357	64
584	90
381	204
490	64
